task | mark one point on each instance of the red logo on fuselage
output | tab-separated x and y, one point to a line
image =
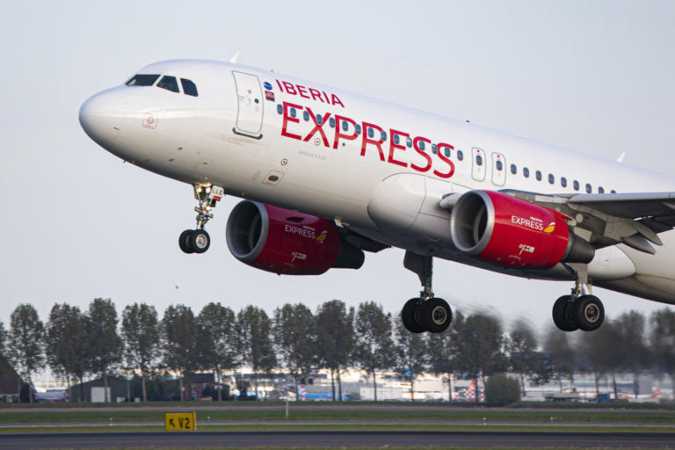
309	93
390	145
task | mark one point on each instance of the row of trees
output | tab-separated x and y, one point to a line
629	344
77	344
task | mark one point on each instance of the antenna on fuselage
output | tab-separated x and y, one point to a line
235	57
621	157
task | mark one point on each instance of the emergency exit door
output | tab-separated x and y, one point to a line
249	105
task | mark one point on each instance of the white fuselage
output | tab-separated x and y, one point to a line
250	131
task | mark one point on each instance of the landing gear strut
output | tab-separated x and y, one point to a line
581	310
198	240
426	312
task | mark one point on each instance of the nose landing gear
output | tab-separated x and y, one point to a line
426	312
198	240
194	241
581	310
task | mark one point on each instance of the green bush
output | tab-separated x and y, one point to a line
501	390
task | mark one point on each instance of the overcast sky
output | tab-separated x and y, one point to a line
77	223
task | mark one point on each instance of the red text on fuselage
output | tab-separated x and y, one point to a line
372	138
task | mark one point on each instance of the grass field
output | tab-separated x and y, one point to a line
335	417
347	427
347	412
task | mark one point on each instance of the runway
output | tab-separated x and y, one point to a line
338	439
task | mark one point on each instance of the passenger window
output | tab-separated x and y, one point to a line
331	122
447	151
371	132
460	155
537	174
189	88
551	178
280	109
142	80
305	115
589	188
384	135
293	112
433	148
601	190
526	172
396	139
421	145
345	126
319	119
576	185
358	129
168	83
514	169
500	166
563	182
409	143
479	160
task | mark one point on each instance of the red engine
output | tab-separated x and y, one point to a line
514	233
287	242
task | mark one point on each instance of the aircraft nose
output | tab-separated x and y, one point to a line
100	116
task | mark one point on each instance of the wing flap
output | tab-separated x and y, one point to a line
659	224
631	205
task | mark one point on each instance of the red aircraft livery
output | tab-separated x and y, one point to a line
371	175
309	93
374	136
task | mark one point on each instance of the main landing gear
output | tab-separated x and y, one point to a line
198	240
426	312
581	310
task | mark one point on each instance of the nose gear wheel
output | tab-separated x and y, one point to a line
194	241
198	240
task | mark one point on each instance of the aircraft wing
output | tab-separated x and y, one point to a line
632	206
634	219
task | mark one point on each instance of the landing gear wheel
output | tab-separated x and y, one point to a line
409	315
426	312
184	241
194	241
436	315
589	312
564	314
199	241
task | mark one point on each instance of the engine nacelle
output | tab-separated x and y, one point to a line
287	242
501	229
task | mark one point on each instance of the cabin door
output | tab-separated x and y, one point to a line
249	105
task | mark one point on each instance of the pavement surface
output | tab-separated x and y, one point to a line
337	439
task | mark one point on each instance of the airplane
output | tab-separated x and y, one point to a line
327	176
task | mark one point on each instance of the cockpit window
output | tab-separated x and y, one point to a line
142	80
169	83
189	87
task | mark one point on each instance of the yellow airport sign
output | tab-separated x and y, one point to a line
180	421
